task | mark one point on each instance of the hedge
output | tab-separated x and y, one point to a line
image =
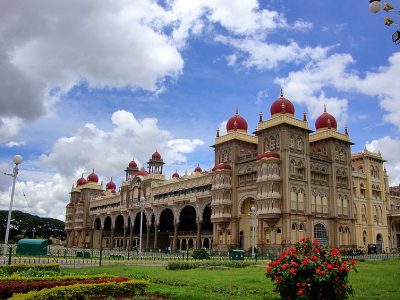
207	264
22	267
54	278
87	291
8	288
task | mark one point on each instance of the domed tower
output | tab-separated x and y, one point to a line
131	170
111	186
282	164
156	163
331	165
175	175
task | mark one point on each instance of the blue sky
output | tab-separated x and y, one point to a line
87	85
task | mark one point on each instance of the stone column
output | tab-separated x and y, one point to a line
148	236
112	238
155	235
131	237
198	234
124	241
175	236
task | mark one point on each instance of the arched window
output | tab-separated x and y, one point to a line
293	198
365	237
313	203
320	234
318	201
300	199
293	234
324	204
355	213
345	206
339	205
363	214
301	231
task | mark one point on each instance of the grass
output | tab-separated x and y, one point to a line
374	280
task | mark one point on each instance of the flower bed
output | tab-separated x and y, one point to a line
8	288
54	278
87	291
310	271
10	269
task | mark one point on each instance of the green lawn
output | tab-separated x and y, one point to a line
374	280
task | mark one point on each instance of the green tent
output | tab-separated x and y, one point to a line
32	247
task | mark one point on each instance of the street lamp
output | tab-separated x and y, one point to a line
253	215
17	159
375	6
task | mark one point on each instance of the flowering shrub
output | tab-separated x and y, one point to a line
310	271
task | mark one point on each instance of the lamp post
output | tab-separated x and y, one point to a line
253	216
17	159
375	6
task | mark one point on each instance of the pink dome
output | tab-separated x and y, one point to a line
198	169
325	120
156	155
222	166
268	154
81	181
93	177
282	106
236	122
132	165
142	172
175	175
110	185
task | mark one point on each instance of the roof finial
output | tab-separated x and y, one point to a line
217	132
324	107
93	170
346	132
261	119
281	92
304	116
237	110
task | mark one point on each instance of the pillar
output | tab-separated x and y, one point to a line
124	241
175	236
155	235
131	237
112	238
198	242
148	236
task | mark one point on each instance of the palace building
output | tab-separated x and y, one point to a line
285	181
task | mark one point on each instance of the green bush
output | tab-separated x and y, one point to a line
87	291
200	254
182	265
10	269
18	277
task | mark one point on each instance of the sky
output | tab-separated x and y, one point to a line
94	84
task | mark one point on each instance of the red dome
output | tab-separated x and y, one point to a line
81	181
236	122
222	166
111	185
93	177
282	106
175	175
142	172
198	169
268	154
132	165
156	155
325	121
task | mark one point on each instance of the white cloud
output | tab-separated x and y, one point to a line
9	127
389	148
309	86
14	144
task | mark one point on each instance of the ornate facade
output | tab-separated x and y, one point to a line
301	183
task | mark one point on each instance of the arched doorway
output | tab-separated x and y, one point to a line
118	232
165	229
107	232
96	238
245	224
379	243
320	234
206	226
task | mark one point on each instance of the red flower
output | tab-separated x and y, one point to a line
300	292
352	261
334	251
329	266
302	240
325	263
269	269
292	271
316	250
278	279
284	266
314	258
316	242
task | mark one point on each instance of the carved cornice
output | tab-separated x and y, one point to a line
236	135
329	134
282	119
